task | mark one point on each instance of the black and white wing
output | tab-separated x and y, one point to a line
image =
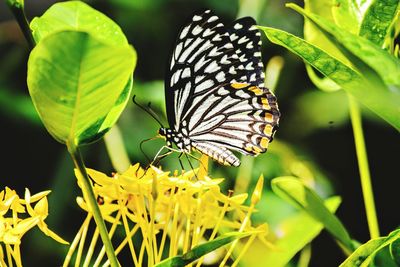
214	90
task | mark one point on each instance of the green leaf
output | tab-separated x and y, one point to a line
386	65
78	16
383	258
295	232
314	35
303	197
97	130
203	249
378	20
75	81
363	255
395	250
379	99
347	14
324	83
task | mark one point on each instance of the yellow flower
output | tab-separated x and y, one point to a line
14	222
182	211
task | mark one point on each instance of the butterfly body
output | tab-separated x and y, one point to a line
215	95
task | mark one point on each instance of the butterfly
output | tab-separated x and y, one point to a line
215	95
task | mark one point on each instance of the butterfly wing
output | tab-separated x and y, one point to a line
203	58
240	117
215	94
246	39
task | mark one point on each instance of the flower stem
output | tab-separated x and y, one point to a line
17	8
365	176
87	190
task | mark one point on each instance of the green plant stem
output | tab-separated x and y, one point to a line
87	190
17	8
355	116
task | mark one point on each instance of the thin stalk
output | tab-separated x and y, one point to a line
87	190
81	245
17	8
9	256
243	250
17	257
75	242
2	262
241	229
110	233
128	239
91	248
363	167
305	256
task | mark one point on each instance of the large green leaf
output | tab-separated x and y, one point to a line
295	232
201	250
313	35
363	255
75	82
378	19
347	14
379	99
303	197
76	15
386	65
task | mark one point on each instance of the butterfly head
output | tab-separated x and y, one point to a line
165	134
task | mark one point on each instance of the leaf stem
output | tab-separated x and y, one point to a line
17	8
87	190
365	176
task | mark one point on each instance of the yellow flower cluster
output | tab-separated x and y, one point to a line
17	216
182	211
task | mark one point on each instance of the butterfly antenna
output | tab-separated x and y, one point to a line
154	115
149	111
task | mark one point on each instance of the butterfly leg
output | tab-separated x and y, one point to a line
181	163
160	156
190	163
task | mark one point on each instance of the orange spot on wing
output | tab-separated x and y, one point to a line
257	150
268	129
249	148
256	90
264	142
239	85
268	117
265	103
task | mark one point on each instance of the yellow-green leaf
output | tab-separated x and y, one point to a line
75	82
77	16
303	197
364	254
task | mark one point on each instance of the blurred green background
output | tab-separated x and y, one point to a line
314	129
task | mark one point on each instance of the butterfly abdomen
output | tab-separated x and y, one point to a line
218	153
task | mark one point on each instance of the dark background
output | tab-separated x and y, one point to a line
314	124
